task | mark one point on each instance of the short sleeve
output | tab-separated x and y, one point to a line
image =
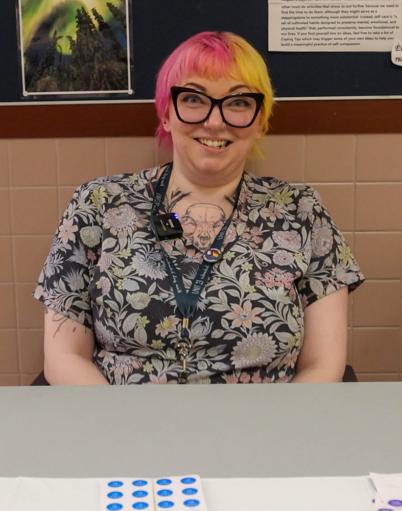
64	280
331	262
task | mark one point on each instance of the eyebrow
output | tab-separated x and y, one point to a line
203	89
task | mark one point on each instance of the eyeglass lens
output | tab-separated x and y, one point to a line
237	110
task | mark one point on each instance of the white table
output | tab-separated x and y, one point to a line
273	494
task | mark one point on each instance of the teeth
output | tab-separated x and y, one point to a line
213	143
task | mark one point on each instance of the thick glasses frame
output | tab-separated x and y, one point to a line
257	96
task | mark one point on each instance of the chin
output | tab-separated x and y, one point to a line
212	163
212	171
219	168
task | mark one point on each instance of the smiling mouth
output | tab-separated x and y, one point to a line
216	144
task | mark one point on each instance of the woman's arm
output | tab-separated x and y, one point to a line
68	352
323	356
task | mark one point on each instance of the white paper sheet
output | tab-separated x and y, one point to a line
333	25
39	494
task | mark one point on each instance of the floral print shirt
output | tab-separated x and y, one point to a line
105	270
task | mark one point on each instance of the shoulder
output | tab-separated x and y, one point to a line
108	190
271	189
93	198
120	183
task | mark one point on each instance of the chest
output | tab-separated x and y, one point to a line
202	221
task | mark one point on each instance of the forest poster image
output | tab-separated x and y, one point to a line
74	46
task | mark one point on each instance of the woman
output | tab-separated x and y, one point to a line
195	271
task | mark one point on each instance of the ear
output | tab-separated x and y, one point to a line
166	124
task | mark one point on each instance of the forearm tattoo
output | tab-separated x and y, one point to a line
201	221
60	319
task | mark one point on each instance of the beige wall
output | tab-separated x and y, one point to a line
359	177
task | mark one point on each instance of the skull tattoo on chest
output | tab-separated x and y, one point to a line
201	223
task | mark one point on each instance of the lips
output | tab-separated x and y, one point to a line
214	143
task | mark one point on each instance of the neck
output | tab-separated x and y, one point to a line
204	187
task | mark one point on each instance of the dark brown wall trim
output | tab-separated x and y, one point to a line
117	120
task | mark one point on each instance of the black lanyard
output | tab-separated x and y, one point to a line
187	300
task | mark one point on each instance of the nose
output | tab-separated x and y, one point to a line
215	119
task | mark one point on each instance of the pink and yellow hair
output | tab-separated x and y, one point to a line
212	55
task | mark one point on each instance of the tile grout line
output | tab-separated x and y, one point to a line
106	156
312	183
375	327
42	235
105	166
36	329
14	266
379	327
37	187
155	152
358	183
105	170
28	235
304	156
57	148
355	153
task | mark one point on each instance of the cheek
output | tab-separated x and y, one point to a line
248	136
180	132
176	128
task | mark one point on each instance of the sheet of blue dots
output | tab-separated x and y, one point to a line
391	505
172	493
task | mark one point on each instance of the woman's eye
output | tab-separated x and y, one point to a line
240	103
191	98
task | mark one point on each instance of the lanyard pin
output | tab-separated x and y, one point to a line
212	255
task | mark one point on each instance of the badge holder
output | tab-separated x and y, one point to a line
167	226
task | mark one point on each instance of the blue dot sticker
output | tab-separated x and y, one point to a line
164	482
191	502
140	482
140	494
165	504
187	480
395	502
115	495
164	493
140	505
114	507
115	484
190	491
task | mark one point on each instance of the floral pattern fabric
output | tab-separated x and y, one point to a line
105	270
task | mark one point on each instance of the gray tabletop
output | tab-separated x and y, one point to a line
213	430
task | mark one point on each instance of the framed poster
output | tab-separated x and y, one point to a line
75	48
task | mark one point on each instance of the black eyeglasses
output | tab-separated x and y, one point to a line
237	110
